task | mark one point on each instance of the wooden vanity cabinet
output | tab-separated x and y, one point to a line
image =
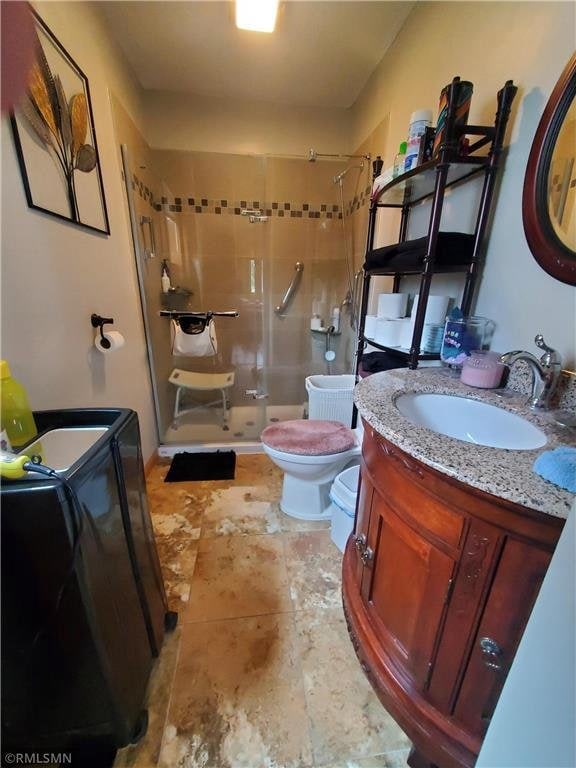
439	580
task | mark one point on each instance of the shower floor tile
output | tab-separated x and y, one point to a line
244	423
260	672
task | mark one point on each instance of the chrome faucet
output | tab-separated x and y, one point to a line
545	372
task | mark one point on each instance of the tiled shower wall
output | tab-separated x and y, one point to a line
228	263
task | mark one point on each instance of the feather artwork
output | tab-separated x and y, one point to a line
59	125
65	125
79	119
40	130
40	97
86	158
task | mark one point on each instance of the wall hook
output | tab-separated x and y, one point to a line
97	321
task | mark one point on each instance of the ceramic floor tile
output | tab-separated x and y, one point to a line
257	469
177	556
314	566
389	760
238	699
292	524
239	511
238	576
177	510
347	720
145	754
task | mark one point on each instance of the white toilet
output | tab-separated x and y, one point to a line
310	453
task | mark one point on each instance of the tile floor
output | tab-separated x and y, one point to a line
260	672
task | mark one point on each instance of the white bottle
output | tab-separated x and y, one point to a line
165	280
336	319
419	121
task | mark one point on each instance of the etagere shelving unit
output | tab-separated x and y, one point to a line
437	252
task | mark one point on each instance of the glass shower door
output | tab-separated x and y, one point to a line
223	252
231	229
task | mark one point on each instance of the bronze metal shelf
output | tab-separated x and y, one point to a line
400	352
417	270
418	184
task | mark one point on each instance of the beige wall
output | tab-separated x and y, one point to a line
182	121
486	43
54	275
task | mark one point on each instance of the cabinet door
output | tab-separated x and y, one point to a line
515	587
405	585
363	507
472	581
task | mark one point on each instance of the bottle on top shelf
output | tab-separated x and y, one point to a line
399	160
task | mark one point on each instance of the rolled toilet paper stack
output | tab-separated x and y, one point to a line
436	309
392	306
405	334
110	342
388	332
370	326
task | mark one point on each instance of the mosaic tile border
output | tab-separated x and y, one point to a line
222	206
142	190
358	201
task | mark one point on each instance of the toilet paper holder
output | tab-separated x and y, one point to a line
97	321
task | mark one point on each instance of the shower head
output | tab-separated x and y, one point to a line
312	155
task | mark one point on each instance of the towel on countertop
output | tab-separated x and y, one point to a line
558	467
194	344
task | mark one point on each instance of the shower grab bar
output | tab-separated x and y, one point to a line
281	308
251	212
149	253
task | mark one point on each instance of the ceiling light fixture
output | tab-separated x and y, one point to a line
256	15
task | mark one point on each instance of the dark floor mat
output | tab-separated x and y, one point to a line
219	465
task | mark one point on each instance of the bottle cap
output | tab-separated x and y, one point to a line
421	114
402	148
4	369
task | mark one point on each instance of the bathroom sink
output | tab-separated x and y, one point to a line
470	420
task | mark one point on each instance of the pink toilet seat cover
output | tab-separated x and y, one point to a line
309	437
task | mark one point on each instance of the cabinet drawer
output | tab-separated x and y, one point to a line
400	481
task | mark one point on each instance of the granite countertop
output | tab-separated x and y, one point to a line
504	473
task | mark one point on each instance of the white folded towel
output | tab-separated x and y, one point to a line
202	344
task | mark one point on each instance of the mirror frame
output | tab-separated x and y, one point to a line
554	256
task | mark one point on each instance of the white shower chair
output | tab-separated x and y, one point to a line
191	381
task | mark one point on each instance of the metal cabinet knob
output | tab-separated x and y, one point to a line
360	542
491	652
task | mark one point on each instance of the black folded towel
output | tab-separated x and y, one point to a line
452	249
374	362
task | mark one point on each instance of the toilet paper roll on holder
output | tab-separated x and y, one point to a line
97	321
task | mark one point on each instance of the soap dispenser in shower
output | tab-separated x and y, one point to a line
165	279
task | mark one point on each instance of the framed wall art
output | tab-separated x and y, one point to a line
55	140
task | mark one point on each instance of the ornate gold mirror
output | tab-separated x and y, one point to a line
549	200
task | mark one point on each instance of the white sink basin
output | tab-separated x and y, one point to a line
471	421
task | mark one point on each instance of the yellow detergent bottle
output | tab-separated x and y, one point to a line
16	416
